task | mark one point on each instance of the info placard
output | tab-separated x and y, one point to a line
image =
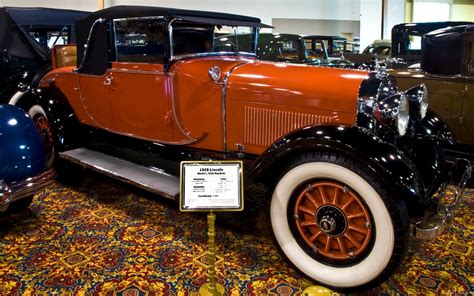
211	185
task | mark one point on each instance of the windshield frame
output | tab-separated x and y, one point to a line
174	57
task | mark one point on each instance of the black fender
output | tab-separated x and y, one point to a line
434	128
426	146
59	112
394	168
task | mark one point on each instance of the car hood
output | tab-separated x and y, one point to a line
321	88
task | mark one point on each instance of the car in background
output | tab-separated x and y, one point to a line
23	169
291	48
26	37
334	46
379	49
403	50
447	69
406	39
346	156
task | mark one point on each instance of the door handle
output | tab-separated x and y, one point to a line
108	81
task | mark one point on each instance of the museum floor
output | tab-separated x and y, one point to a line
102	237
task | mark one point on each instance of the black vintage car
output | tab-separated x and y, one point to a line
26	35
345	155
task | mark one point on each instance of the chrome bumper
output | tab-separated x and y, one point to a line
432	226
20	189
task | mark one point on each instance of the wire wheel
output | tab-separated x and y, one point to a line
44	127
332	220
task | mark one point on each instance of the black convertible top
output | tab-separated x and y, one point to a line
15	21
125	11
28	16
83	26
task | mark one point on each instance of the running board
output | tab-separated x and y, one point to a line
148	179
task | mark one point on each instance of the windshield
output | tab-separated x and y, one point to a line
191	39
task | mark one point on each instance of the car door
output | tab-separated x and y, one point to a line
140	90
94	77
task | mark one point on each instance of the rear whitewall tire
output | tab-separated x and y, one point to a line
356	275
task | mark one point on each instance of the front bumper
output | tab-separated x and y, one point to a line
19	189
435	224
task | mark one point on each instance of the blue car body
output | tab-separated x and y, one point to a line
23	168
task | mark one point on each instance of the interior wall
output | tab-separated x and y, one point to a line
316	27
264	9
394	14
462	10
86	5
370	21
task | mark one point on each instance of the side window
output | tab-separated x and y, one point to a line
139	40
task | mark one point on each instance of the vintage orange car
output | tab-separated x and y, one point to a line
346	157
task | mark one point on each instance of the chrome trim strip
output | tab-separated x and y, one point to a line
438	76
24	188
190	139
211	54
84	56
224	104
170	32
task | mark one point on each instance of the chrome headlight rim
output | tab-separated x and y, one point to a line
394	112
418	99
403	115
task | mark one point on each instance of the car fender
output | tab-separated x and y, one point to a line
22	153
57	109
384	159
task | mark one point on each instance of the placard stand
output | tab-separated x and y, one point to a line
211	186
211	288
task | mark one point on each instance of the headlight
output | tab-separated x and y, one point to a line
394	111
418	100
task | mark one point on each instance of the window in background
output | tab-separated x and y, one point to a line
431	10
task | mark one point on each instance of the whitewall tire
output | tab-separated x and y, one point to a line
333	225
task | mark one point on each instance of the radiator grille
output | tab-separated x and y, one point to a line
263	126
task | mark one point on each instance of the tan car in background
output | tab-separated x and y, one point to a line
447	69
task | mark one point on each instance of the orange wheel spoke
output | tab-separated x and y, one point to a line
327	247
357	215
353	240
306	210
336	195
358	229
315	236
311	199
308	223
342	247
323	194
344	207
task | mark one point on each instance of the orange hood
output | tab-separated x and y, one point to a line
320	88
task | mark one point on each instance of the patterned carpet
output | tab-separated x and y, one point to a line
104	238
